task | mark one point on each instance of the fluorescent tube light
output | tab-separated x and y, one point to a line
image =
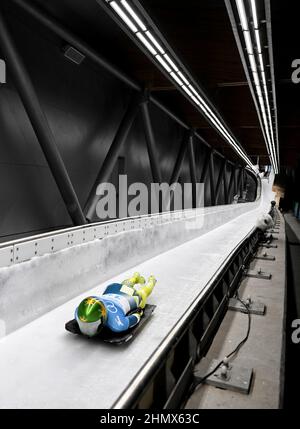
242	14
176	78
258	90
261	62
123	16
258	44
183	78
187	91
194	91
195	100
171	62
254	13
248	42
163	63
134	15
255	77
146	43
155	42
252	63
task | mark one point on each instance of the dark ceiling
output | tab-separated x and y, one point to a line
200	33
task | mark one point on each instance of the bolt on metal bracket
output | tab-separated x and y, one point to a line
264	256
254	307
269	246
228	376
259	274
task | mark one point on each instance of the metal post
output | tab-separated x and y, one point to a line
205	165
39	123
177	168
220	178
239	181
242	184
231	181
112	155
245	181
234	180
150	142
193	172
179	161
212	180
226	185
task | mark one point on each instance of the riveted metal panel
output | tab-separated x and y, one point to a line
6	256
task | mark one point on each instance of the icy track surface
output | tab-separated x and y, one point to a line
43	366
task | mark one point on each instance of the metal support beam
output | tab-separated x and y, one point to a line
112	155
212	180
179	161
226	184
193	171
242	184
205	165
39	123
91	54
239	181
156	175
70	38
99	60
234	180
177	168
232	176
220	179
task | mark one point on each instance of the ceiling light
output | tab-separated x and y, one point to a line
254	13
258	44
255	77
183	78
187	91
156	46
171	62
176	78
155	42
146	43
123	16
134	15
242	14
248	42
163	63
252	63
258	90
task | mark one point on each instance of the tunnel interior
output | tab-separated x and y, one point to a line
102	102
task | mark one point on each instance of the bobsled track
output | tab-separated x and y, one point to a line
197	261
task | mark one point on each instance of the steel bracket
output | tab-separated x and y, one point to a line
259	274
253	306
265	257
228	377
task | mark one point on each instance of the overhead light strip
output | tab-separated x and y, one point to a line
258	69
161	54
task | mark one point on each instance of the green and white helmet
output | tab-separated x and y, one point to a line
91	315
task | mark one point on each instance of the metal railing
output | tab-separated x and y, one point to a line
164	379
